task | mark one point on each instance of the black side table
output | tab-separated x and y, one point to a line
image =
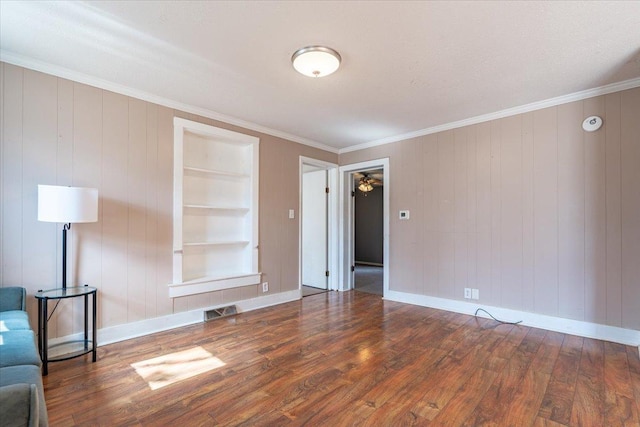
43	314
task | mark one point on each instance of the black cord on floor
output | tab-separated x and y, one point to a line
500	321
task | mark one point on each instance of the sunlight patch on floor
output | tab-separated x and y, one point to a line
171	368
3	327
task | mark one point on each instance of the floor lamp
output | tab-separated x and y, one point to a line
67	205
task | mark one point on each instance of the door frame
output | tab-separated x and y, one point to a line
332	221
347	212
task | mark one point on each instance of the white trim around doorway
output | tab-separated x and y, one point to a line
346	250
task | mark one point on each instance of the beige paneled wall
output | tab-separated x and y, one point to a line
55	131
530	209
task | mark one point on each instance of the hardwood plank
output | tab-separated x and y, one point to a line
620	403
557	402
496	403
466	399
588	403
350	359
633	358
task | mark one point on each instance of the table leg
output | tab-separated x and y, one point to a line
93	326
45	341
86	322
40	327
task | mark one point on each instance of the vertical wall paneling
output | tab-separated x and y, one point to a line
613	211
12	158
595	230
136	191
151	209
429	174
545	175
483	209
409	274
461	223
495	292
290	188
86	239
511	212
115	138
553	212
527	213
446	220
63	176
39	147
471	220
571	211
271	206
630	186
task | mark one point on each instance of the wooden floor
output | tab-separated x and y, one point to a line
343	359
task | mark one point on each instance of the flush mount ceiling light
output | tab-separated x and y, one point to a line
316	61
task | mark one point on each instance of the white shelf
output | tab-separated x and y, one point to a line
216	208
210	173
220	243
215	211
212	283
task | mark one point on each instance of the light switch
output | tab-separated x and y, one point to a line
292	214
404	215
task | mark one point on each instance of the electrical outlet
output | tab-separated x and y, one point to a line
475	293
467	293
265	287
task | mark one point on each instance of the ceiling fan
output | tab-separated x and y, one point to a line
366	182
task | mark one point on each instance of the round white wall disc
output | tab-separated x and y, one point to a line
592	123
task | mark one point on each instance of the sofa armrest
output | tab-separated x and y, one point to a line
13	298
19	405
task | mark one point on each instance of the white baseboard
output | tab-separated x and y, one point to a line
558	324
158	324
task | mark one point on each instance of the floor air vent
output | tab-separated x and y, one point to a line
217	313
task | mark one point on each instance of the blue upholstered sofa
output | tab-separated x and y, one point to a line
21	391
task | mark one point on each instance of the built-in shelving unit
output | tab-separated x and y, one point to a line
215	216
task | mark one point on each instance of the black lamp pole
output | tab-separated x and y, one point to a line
64	254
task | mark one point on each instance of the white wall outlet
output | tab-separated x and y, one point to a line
403	215
475	293
467	293
292	214
265	286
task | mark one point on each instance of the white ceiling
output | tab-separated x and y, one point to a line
407	66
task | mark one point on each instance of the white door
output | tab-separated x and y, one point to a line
314	227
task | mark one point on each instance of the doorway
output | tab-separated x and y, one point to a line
368	227
348	189
318	226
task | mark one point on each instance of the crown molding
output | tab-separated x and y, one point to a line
33	64
538	105
65	73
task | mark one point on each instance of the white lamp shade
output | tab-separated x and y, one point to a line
67	204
